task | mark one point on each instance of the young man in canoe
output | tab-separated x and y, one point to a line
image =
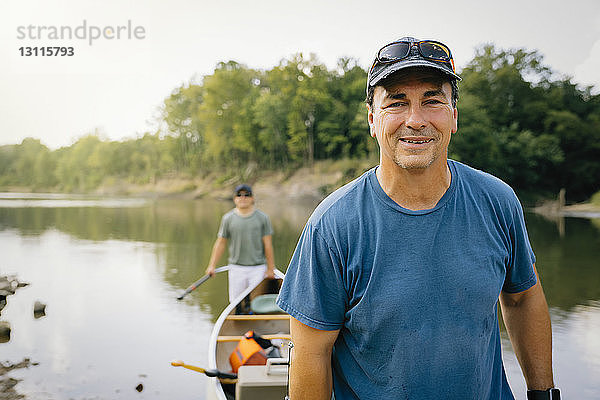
394	284
248	232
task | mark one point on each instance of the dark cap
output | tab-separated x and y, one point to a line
381	71
244	187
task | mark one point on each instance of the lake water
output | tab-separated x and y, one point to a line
110	270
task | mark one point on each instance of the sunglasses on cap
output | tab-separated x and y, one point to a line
428	49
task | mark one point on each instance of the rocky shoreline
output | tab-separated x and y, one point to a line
7	384
8	287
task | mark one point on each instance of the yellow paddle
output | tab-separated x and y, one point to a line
224	377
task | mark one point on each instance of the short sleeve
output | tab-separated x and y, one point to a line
267	227
312	291
520	274
224	227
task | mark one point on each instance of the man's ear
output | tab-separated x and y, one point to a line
455	120
370	120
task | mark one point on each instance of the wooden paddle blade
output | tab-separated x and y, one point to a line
179	363
226	377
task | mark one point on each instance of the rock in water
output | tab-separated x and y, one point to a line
2	299
4	331
39	309
6	285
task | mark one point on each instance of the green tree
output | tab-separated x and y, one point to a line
44	169
476	141
180	112
348	88
535	132
226	94
27	153
579	140
76	171
511	84
8	155
270	113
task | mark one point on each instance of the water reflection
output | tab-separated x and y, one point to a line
110	319
568	266
184	231
128	263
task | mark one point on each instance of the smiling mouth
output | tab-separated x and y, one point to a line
417	141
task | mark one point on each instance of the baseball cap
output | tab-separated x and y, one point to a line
243	187
414	58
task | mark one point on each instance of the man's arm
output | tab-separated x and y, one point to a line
269	255
217	251
310	368
528	324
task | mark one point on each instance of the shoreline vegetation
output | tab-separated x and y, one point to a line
300	129
304	184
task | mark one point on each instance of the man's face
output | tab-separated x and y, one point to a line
243	199
412	119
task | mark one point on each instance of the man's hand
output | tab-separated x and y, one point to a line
215	255
269	256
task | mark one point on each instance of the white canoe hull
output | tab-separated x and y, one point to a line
229	326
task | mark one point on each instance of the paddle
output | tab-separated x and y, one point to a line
225	377
199	282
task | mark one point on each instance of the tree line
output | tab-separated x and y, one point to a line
518	119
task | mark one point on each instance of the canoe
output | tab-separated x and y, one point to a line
254	382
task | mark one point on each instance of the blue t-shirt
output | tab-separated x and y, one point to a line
414	293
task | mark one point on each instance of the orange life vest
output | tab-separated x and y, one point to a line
247	352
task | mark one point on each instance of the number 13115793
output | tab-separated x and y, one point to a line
47	51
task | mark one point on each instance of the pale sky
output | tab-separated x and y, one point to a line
117	86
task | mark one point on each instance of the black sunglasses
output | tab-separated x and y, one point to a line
244	195
429	49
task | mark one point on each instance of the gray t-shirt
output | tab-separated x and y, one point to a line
245	236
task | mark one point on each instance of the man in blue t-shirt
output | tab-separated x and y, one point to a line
395	282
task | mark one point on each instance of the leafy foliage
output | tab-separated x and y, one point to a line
536	133
517	120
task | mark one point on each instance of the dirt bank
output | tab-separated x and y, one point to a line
303	183
553	209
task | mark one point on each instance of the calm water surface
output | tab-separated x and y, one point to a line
110	271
